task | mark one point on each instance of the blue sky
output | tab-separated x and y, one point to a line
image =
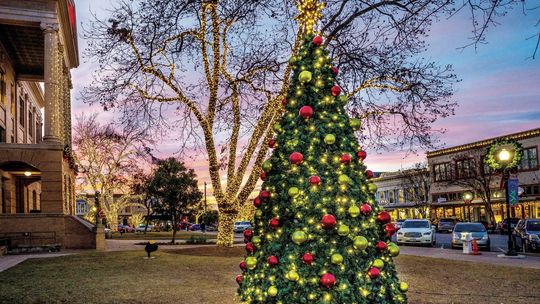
499	92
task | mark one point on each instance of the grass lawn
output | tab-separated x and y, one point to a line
206	275
163	235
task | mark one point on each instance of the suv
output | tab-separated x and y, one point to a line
416	232
528	234
241	226
446	224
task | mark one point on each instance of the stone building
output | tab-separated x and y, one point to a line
460	169
38	48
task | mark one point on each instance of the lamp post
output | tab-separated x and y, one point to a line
467	198
505	156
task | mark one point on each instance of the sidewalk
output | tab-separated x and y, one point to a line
8	261
485	257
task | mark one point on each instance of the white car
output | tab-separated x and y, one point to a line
241	226
416	232
141	227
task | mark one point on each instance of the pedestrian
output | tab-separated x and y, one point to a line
203	227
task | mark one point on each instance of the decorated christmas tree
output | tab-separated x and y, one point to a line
318	236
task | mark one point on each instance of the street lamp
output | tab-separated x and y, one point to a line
467	198
505	156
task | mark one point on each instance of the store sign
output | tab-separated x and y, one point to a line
513	191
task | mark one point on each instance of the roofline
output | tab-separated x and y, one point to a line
484	143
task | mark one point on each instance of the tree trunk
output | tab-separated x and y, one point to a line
112	219
175	224
225	237
489	211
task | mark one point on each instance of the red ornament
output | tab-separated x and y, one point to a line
381	246
239	279
335	70
284	102
384	217
365	209
296	158
274	223
248	234
345	158
257	202
243	265
306	112
328	221
308	258
336	90
374	272
264	194
272	143
273	261
314	180
263	176
390	229
361	155
317	40
369	174
250	248
328	280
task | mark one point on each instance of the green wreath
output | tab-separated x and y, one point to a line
491	157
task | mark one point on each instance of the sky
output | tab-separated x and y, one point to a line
499	91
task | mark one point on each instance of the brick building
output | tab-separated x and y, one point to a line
38	48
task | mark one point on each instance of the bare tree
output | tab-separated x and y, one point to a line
107	158
218	70
470	172
416	184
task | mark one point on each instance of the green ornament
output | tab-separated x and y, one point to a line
355	123
277	128
293	59
360	243
354	211
378	263
372	188
343	99
292	275
256	240
404	287
298	237
293	191
251	262
305	76
272	291
393	249
258	213
343	179
343	230
336	258
267	166
330	139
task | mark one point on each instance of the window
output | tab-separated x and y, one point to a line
442	172
30	123
464	168
2	134
529	159
2	90
531	190
21	112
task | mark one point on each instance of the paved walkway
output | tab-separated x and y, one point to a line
485	257
8	261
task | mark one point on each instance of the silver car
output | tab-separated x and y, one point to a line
477	231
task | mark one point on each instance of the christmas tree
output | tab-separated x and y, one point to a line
318	236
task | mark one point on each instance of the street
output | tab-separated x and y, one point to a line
498	242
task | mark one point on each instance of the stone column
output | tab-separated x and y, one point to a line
52	74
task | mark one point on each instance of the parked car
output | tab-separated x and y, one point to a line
477	231
195	227
446	224
416	232
125	228
503	226
241	226
211	227
184	226
528	234
141	228
399	223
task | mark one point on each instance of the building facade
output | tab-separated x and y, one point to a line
38	48
405	194
457	170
